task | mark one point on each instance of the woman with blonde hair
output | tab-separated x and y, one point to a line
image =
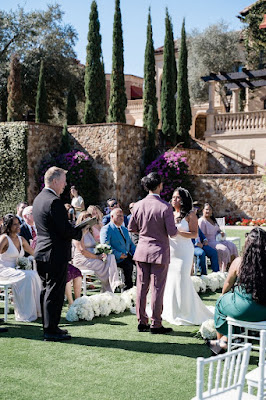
103	265
94	211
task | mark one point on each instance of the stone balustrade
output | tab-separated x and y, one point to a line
135	105
254	121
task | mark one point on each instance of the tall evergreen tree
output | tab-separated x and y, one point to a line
149	95
14	102
41	114
183	109
150	153
95	90
3	101
65	143
72	114
168	102
118	99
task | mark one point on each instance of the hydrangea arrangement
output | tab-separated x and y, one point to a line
80	174
213	281
207	330
173	168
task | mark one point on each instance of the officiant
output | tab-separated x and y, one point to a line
53	250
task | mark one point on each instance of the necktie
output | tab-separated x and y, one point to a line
121	233
33	233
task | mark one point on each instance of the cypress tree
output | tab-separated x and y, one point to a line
3	101
183	110
168	102
150	152
65	144
14	101
72	114
118	99
95	89
149	95
41	114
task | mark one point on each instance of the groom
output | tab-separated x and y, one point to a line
152	218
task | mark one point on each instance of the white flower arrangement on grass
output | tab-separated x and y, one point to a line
88	307
207	329
212	281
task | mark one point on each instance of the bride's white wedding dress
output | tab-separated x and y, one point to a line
26	285
181	303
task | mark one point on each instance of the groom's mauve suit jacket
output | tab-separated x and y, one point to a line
153	219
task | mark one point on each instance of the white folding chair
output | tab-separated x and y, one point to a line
86	273
256	377
246	326
226	375
5	295
221	223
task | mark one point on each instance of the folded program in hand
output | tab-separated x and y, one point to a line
87	222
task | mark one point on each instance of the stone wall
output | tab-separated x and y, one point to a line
42	140
197	160
235	195
117	150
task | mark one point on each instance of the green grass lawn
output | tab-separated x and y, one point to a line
106	359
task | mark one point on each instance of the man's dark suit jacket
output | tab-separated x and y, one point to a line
54	230
25	232
107	219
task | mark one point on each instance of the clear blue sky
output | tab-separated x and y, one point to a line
198	13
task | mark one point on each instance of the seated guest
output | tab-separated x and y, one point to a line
27	228
20	208
201	250
117	237
26	285
134	236
76	201
105	267
73	275
94	211
247	300
227	250
71	215
113	204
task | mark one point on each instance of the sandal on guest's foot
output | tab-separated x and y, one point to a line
215	346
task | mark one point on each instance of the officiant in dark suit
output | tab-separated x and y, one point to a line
27	228
53	250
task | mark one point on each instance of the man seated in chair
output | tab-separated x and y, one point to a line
117	236
201	250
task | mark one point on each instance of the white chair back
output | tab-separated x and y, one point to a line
221	223
256	377
226	375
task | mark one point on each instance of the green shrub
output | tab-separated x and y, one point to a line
13	165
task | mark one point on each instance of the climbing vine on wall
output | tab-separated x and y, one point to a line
13	165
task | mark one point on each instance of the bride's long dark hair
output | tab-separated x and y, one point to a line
186	202
7	223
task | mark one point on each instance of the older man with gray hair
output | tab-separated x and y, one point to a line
117	236
53	250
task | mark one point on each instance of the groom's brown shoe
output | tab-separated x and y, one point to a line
143	328
161	331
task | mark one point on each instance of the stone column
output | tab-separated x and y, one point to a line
235	100
211	111
247	99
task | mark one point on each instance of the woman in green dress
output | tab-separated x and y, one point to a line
247	300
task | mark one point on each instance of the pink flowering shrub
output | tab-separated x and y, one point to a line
173	169
81	174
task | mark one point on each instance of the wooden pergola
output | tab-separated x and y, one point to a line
237	80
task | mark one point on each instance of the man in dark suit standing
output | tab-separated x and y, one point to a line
53	250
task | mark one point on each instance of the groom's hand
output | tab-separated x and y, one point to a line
123	256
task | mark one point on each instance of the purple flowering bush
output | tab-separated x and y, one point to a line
81	174
173	169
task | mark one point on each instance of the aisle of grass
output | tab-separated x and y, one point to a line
106	359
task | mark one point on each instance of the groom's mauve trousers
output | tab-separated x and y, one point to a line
154	274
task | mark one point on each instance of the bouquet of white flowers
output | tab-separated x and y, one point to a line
102	249
207	329
24	263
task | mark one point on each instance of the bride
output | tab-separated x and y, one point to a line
26	285
181	304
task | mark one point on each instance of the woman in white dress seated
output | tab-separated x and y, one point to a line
181	304
103	265
76	201
26	285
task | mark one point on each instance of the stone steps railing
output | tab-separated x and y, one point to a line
254	121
